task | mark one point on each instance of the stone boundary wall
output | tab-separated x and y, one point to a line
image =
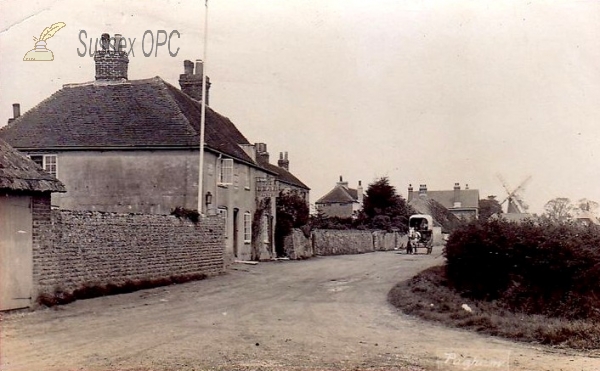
298	246
81	248
337	242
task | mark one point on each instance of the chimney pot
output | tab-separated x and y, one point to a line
188	67
16	110
199	67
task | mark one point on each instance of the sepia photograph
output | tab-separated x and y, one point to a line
299	185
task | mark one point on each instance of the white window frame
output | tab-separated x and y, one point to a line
226	171
247	227
47	162
248	178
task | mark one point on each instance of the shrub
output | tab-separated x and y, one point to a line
544	268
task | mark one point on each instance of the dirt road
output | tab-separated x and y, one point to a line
324	313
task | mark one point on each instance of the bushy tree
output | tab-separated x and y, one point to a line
558	210
292	212
383	207
488	207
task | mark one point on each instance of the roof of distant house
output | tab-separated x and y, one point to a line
19	173
340	194
124	115
469	198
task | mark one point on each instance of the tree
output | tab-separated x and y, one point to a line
585	204
489	207
292	212
558	210
383	206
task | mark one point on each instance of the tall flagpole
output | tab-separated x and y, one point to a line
203	116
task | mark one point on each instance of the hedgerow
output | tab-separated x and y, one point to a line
534	268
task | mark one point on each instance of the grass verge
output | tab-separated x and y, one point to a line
88	291
427	296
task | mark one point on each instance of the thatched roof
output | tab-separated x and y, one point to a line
19	173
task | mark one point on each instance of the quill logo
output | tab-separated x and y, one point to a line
40	52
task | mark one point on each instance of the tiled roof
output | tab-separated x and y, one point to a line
469	198
284	176
441	215
339	194
19	173
136	113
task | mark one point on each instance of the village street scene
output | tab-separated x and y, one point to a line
299	185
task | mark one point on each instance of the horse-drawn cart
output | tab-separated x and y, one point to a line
420	233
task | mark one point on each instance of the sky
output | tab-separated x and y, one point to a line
422	92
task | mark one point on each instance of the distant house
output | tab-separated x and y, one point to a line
133	146
24	209
342	201
463	203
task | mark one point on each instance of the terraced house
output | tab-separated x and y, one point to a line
124	145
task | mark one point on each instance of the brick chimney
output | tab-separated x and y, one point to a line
410	192
342	183
457	202
359	193
262	156
423	190
16	112
111	60
191	82
283	161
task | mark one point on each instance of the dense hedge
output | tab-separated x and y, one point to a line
536	268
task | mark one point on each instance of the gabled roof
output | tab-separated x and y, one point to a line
19	173
469	198
441	215
130	114
283	175
339	194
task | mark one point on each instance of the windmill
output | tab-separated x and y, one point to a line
516	205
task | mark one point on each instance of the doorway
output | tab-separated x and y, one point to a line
235	231
16	254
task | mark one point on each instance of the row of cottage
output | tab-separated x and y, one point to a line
132	146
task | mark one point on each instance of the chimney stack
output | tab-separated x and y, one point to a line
16	112
342	183
262	156
111	60
283	161
359	193
423	190
410	192
191	82
457	202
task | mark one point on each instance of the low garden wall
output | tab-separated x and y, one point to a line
85	248
338	242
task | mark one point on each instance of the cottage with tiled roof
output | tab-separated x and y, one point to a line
342	201
133	146
24	210
462	203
